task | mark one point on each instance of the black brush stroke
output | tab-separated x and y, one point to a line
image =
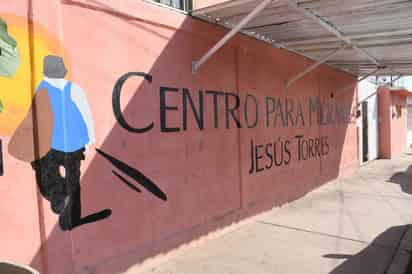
1	160
95	217
124	180
135	175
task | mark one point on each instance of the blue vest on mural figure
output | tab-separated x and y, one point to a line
69	128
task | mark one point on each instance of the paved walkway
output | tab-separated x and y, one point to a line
357	225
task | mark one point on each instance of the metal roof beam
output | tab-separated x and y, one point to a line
329	27
405	32
196	64
362	45
388	62
313	66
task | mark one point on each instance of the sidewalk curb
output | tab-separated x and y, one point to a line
402	257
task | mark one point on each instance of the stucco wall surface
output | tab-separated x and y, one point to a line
213	148
392	122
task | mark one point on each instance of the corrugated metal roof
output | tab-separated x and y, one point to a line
380	28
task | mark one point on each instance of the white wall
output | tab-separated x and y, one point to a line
409	120
368	90
405	81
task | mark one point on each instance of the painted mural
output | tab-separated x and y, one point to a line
16	89
123	151
9	63
55	132
9	54
62	126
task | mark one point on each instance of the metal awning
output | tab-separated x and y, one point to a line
362	37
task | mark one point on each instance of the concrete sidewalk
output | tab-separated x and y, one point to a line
353	225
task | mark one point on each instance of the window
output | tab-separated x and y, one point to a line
185	5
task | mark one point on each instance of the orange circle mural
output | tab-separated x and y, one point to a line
31	47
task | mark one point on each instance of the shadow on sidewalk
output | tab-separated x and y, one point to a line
404	179
376	258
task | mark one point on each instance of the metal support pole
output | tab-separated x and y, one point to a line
367	97
313	66
375	93
360	79
196	64
371	73
396	79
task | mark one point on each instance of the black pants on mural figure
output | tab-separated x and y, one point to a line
1	159
61	190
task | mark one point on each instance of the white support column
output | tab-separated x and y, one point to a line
313	66
196	64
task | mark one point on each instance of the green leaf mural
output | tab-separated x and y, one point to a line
9	55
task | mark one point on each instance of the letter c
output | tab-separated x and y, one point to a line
116	102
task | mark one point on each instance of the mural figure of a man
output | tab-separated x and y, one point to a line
58	171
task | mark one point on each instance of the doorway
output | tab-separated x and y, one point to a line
365	144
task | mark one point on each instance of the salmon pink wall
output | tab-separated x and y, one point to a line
384	110
212	175
392	129
19	210
399	125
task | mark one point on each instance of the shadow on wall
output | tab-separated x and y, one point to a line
197	170
403	179
376	257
